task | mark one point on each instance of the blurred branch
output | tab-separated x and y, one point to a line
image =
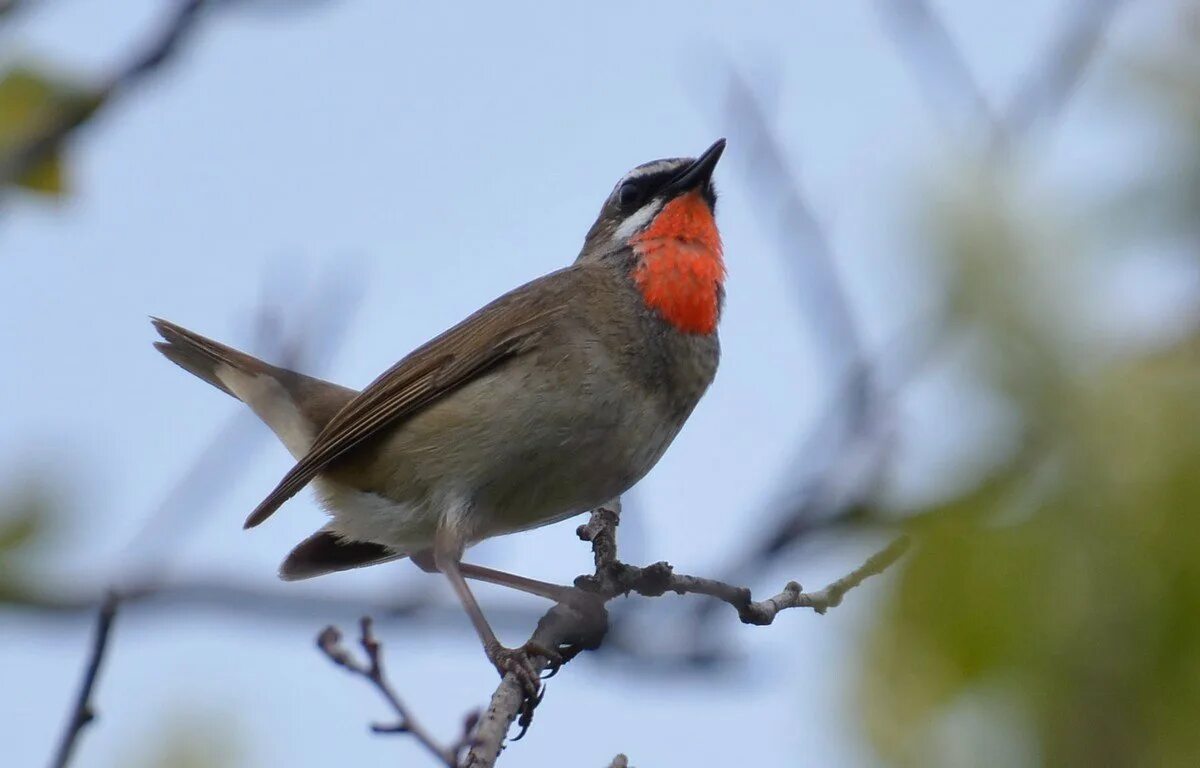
779	195
939	65
1049	89
257	603
7	7
936	59
330	643
853	441
180	508
83	713
181	22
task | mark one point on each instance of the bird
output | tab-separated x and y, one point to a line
551	400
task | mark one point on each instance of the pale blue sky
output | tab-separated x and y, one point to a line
448	154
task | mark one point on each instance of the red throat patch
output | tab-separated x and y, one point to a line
680	266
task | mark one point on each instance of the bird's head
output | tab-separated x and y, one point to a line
659	221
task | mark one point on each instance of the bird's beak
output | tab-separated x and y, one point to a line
699	172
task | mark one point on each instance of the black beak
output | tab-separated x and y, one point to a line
699	172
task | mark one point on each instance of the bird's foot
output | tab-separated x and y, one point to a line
519	663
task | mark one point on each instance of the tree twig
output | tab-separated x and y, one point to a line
83	712
329	641
659	578
580	621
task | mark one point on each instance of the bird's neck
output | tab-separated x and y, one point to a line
680	268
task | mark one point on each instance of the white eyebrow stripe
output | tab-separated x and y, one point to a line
637	220
656	166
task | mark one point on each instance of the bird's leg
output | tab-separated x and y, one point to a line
447	552
555	592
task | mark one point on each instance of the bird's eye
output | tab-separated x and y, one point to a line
629	194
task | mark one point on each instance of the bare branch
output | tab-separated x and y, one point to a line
329	641
571	626
83	712
657	579
601	531
580	621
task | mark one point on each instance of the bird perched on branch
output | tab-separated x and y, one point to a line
548	402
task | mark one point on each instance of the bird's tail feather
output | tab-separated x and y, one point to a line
326	552
293	405
203	357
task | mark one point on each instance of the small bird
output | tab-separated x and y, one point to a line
546	403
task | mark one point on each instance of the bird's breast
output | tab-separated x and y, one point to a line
680	265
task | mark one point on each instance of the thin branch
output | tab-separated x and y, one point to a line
601	532
579	623
831	596
330	643
165	44
83	711
659	578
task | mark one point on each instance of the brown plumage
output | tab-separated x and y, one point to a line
547	402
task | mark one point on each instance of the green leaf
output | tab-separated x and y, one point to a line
36	107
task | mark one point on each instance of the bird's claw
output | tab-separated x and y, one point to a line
519	663
554	659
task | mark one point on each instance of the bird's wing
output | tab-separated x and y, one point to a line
506	328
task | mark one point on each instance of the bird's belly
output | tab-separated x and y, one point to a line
567	474
404	525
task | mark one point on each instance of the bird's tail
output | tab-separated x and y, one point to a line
326	552
293	405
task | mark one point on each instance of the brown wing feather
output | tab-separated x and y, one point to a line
503	329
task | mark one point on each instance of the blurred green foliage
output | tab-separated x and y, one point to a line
36	111
1050	615
27	517
189	739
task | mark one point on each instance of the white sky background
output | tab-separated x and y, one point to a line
449	155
